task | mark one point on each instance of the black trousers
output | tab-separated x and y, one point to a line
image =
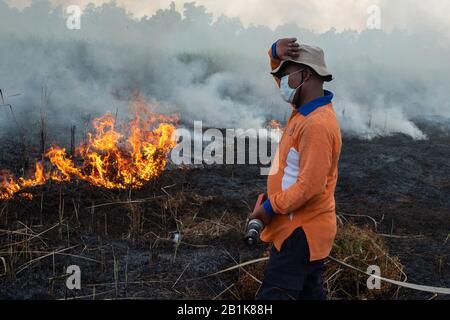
290	276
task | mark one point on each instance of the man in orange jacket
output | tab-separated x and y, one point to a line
300	213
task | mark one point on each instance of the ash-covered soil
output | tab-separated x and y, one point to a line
405	186
124	242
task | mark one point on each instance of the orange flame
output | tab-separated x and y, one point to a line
110	158
9	186
275	125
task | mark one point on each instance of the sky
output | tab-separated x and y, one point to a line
414	16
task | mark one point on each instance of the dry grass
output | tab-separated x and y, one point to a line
146	219
246	286
359	247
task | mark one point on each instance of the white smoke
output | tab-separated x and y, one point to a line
361	121
215	71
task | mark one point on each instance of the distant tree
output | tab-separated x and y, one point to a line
196	14
165	19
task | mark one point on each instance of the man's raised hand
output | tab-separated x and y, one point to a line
288	48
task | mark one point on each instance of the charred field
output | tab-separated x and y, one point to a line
169	239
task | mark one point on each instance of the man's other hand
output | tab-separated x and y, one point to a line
261	214
288	48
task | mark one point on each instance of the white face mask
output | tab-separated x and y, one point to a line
287	93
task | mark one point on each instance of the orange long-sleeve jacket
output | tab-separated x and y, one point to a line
303	176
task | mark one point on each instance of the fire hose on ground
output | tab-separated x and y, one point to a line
255	227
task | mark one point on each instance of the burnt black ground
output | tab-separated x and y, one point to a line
401	183
405	185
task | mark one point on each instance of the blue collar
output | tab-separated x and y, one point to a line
312	106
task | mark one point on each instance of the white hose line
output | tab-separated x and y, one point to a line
436	290
417	287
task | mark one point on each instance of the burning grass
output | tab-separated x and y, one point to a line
141	233
116	155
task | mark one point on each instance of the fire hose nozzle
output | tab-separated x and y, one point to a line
255	226
254	229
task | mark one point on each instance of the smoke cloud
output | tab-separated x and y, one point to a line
215	70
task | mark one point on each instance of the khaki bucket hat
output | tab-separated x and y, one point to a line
312	57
